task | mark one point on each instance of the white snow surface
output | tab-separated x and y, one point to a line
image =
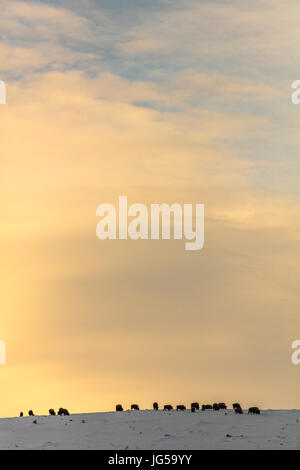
137	430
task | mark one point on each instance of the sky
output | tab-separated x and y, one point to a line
163	101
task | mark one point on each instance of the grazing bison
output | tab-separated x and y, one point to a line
254	410
52	412
238	410
135	407
119	408
222	406
155	406
236	405
168	407
195	405
193	409
21	414
30	413
216	407
63	412
180	408
206	407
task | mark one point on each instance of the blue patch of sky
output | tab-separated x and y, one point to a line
108	33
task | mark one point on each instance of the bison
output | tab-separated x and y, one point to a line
30	413
52	412
180	408
119	408
195	405
193	409
216	407
135	407
155	406
238	410
236	405
254	410
206	407
21	414
63	412
222	406
168	407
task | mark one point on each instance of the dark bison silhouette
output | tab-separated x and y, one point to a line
254	410
63	412
168	407
52	412
222	406
236	405
216	407
21	414
155	406
180	408
30	413
135	407
119	408
238	410
206	407
193	409
195	405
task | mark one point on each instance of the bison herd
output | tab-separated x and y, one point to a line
61	412
195	407
254	410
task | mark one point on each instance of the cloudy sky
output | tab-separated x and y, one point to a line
163	101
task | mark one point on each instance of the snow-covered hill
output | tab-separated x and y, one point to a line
154	430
